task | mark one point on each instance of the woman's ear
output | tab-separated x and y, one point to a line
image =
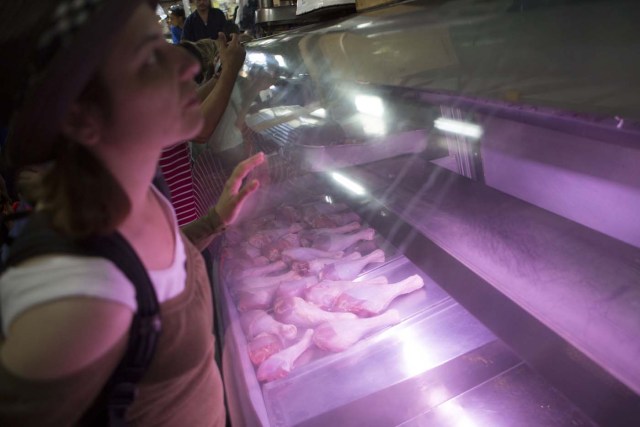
82	125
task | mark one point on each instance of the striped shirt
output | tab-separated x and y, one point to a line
175	164
209	179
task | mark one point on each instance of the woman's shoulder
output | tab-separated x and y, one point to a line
61	313
53	277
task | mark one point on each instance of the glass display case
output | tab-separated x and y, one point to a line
447	229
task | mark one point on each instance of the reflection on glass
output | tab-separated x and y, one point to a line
436	395
455	415
257	58
281	61
370	105
320	112
372	125
372	111
348	183
309	120
458	127
266	42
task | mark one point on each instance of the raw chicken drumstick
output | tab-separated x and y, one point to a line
298	312
308	254
313	233
325	293
289	213
295	288
263	237
364	247
280	364
347	269
255	322
339	242
256	298
370	300
263	346
338	335
261	282
261	298
344	218
245	249
273	250
261	271
305	268
331	220
316	208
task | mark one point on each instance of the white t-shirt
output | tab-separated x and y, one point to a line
63	276
227	135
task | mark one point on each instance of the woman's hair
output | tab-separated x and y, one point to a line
206	51
79	192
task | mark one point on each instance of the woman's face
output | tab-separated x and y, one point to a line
151	92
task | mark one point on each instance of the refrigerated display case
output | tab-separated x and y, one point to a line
487	153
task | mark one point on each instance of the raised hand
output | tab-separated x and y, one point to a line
234	194
232	53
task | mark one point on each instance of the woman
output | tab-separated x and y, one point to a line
100	104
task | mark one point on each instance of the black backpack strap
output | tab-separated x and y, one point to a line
121	390
39	238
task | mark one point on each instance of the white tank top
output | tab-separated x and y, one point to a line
63	276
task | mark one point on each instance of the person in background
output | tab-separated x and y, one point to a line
206	22
176	22
207	53
27	181
99	106
213	92
246	19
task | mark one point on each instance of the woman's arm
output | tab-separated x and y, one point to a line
57	357
61	337
202	231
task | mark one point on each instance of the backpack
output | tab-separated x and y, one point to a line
36	238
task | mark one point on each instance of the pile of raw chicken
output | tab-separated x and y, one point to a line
291	275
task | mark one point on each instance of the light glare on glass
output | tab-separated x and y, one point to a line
348	183
281	61
369	104
320	112
372	125
257	58
458	127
